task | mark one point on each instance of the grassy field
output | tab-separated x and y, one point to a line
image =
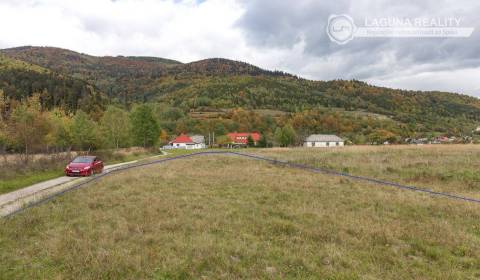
447	168
225	217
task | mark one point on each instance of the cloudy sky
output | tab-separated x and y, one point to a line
288	35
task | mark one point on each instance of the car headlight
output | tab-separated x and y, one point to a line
86	168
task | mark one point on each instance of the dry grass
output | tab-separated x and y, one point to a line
449	168
229	217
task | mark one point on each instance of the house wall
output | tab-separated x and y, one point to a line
187	146
311	144
179	145
199	146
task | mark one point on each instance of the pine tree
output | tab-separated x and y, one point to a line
263	142
250	141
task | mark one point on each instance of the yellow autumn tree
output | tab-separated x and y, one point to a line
28	126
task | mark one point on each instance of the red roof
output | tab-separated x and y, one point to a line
242	137
182	139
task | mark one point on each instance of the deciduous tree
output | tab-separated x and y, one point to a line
163	136
285	136
145	128
28	126
115	127
3	125
59	135
83	131
3	136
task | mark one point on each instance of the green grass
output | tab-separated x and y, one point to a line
8	185
226	217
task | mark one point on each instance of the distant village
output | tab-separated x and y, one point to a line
247	139
252	139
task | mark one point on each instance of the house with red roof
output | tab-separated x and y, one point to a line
241	138
184	141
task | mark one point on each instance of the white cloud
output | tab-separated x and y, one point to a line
288	37
181	30
461	81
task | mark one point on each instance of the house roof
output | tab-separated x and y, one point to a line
323	138
182	138
242	137
185	139
198	139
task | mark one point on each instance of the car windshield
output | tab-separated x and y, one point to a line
83	160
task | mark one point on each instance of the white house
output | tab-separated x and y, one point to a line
187	142
322	140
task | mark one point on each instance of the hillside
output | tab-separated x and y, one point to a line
127	78
20	79
216	84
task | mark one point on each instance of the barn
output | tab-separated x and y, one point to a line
323	140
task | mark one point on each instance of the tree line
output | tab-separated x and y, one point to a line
27	126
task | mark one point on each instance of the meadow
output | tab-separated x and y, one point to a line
227	217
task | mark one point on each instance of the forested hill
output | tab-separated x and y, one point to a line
219	84
128	78
19	79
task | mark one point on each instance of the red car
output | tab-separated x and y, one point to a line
84	166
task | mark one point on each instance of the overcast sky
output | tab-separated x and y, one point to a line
288	35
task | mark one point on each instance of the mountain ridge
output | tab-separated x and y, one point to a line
20	79
218	83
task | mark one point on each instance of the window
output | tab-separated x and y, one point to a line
83	160
328	144
336	144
